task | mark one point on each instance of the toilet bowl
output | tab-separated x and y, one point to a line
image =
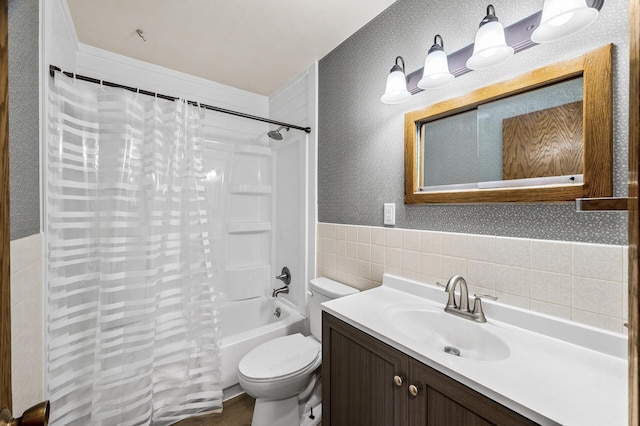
283	374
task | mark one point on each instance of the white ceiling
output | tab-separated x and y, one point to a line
255	45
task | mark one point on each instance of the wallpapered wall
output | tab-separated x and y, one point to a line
360	147
24	125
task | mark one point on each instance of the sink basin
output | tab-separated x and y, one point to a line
446	332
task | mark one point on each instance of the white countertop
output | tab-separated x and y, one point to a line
557	371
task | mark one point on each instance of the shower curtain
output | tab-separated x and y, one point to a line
131	313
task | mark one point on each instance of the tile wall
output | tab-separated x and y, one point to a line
583	282
26	322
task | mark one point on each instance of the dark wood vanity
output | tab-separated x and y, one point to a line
367	382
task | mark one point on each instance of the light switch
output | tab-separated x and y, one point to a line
389	213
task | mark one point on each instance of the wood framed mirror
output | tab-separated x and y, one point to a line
528	162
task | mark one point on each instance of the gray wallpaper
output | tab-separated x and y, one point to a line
24	125
360	146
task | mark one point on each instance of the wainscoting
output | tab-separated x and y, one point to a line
583	282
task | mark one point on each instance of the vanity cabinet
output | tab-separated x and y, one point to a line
443	401
367	382
358	380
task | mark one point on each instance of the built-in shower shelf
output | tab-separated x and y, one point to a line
237	148
253	150
248	268
248	227
250	189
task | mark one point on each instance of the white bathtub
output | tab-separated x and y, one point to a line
247	323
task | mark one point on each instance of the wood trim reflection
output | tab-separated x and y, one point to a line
5	296
529	151
602	204
634	210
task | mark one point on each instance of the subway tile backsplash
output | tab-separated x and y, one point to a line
582	282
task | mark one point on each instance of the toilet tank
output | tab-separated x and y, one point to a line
323	290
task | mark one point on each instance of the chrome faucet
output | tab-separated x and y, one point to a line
285	277
464	294
281	290
462	310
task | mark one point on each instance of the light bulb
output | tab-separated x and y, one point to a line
396	91
436	66
490	48
562	18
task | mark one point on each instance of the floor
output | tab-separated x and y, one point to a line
237	412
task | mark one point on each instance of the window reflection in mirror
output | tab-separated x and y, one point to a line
536	134
450	151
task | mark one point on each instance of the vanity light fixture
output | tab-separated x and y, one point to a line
490	48
557	19
562	18
396	91
436	66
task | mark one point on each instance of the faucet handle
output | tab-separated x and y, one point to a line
285	276
485	296
477	311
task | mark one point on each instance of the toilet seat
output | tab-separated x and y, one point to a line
280	358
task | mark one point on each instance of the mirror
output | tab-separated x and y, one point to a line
542	137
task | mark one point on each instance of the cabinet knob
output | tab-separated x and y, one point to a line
397	380
413	390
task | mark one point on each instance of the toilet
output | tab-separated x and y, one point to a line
283	374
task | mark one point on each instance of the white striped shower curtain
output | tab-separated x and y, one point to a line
132	322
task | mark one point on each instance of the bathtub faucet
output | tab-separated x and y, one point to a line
281	290
285	277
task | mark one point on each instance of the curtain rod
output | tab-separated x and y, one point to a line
53	69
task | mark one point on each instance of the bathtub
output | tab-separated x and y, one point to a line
247	323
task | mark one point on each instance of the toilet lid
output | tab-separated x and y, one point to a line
279	357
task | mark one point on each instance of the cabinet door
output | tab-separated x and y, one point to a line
442	401
358	371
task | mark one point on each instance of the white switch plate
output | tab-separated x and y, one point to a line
389	213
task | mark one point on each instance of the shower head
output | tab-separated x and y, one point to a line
276	135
